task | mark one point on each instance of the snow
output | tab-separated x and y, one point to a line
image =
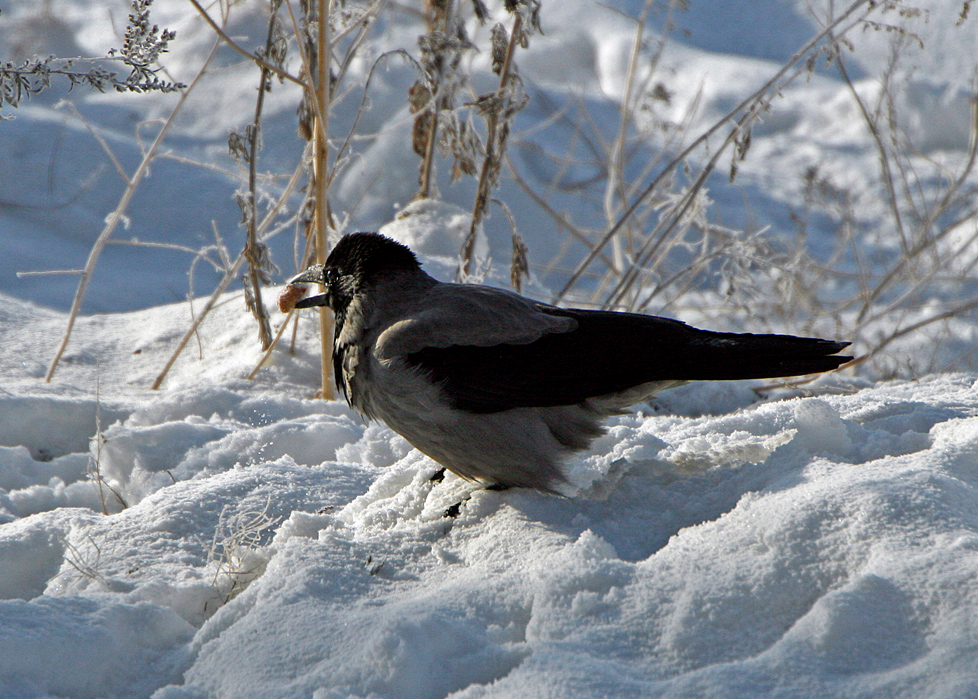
227	537
807	546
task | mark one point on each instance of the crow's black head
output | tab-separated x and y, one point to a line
366	255
357	260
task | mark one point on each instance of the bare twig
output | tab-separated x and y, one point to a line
98	137
118	214
229	276
882	151
495	147
562	219
438	21
222	286
254	250
936	317
271	347
323	99
243	51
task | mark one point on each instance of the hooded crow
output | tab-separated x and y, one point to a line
501	389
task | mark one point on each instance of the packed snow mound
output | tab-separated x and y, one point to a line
263	543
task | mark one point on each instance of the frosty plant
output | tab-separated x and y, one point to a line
439	120
141	49
931	239
879	281
325	49
94	470
670	201
244	147
85	565
434	94
434	98
499	109
235	550
142	46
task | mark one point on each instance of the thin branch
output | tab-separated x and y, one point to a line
490	163
117	215
562	220
98	137
243	51
253	249
944	315
310	86
438	100
882	151
229	275
271	346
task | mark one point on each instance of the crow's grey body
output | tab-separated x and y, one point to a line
499	388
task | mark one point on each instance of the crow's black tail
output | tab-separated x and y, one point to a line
640	348
721	356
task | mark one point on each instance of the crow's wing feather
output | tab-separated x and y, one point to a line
606	352
450	315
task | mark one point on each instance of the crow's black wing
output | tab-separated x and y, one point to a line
609	352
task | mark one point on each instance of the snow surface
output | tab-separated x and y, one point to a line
727	540
802	546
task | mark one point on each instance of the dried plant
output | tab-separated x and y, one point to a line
444	124
118	214
434	95
141	49
94	469
85	564
671	202
931	210
324	65
244	147
499	109
235	549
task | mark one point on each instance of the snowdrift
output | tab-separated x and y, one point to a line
273	545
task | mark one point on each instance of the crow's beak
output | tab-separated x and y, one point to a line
313	275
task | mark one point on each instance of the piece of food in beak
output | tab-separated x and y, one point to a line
290	296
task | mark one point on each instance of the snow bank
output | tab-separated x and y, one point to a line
275	546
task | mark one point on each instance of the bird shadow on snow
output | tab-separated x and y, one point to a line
649	504
708	465
646	489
